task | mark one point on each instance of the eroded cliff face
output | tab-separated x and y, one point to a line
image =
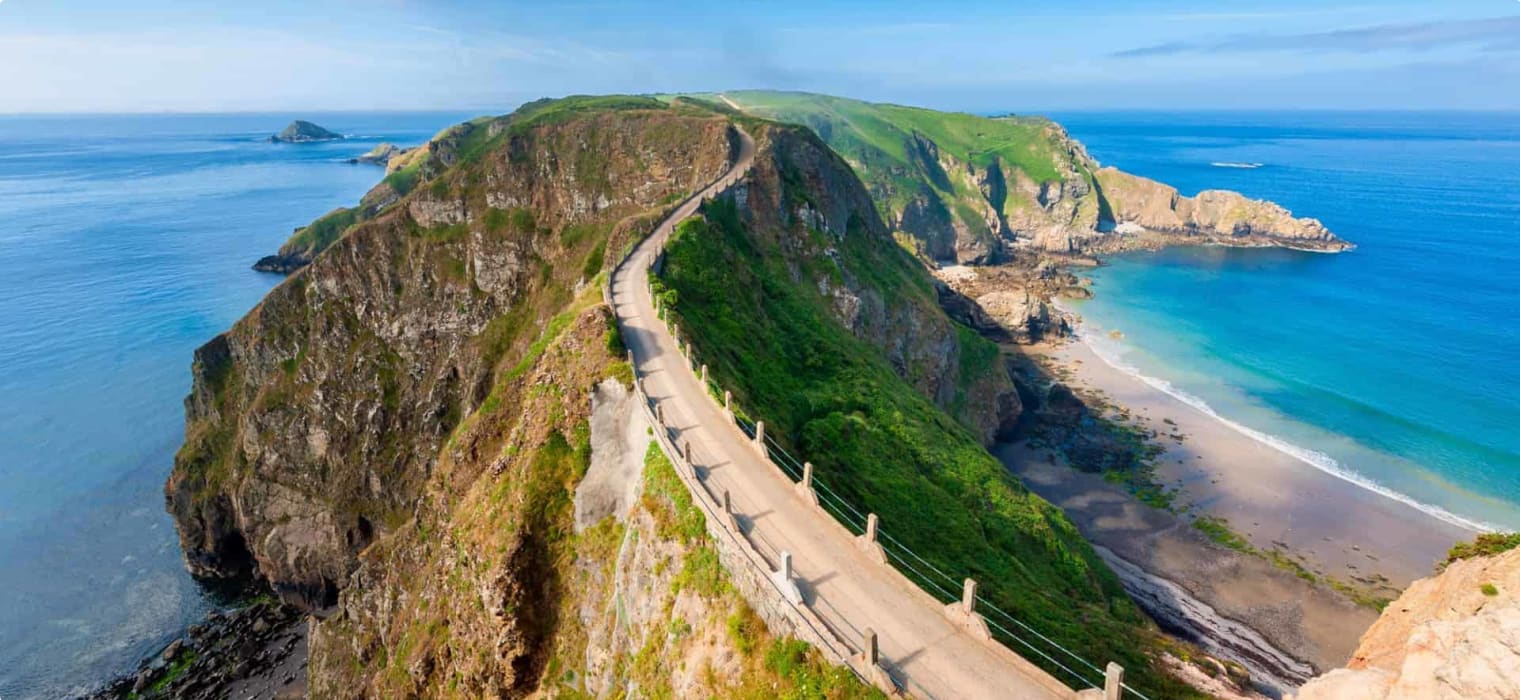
399	437
804	201
1453	636
314	422
1155	214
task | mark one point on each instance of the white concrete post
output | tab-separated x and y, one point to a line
786	566
968	597
728	398
728	504
871	528
686	452
704	376
871	652
807	475
760	438
1113	681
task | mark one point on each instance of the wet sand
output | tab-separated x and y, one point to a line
1274	499
1238	605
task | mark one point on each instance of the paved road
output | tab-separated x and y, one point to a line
839	580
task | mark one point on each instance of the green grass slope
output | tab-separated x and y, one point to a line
834	400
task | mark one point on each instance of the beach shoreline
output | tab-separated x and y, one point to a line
1275	500
1270	605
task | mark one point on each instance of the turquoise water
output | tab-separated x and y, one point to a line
1396	365
125	242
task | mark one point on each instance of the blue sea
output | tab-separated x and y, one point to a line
125	243
1397	365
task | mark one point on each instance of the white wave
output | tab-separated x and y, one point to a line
1110	353
1231	164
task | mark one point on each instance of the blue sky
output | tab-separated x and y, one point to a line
171	55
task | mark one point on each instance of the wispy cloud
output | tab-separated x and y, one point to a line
1492	34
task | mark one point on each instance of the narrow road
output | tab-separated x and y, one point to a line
842	584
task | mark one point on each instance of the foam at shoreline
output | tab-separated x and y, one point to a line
1110	353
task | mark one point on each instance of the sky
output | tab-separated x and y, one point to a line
318	55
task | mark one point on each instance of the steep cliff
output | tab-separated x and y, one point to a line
1453	636
315	421
975	190
399	437
793	291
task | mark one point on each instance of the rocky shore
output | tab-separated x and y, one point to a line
256	652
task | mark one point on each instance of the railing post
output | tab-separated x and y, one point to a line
867	542
783	580
805	487
686	452
1113	681
872	652
968	597
760	435
659	414
704	375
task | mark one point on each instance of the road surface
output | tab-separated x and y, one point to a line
840	581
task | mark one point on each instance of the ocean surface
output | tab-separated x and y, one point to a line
125	243
1397	365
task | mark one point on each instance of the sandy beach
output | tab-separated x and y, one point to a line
1339	528
1238	605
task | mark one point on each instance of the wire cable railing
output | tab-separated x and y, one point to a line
938	584
934	580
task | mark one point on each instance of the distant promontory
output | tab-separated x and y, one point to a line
301	131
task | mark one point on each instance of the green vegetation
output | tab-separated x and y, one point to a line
1486	545
316	236
771	667
897	151
1489	589
176	669
835	401
1218	529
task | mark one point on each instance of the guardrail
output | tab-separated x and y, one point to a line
981	618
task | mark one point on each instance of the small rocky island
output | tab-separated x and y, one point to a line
301	131
380	155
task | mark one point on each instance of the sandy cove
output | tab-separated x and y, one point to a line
1329	525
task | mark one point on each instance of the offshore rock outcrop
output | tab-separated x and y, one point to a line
976	190
380	155
301	131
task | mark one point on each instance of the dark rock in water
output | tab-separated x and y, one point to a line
283	264
304	132
380	155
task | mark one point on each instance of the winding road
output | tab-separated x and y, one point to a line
924	651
